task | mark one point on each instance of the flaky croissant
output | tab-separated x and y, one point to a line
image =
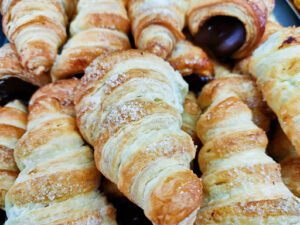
276	65
283	151
100	27
37	28
241	184
13	120
58	180
157	25
128	107
251	15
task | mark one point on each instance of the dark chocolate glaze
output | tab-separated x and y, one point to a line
2	217
223	35
13	88
196	82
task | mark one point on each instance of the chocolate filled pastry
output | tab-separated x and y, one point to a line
100	27
157	25
231	28
129	106
58	182
36	28
241	184
284	152
13	121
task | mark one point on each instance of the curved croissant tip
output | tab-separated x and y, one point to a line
159	51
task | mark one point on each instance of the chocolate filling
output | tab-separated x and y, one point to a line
12	88
196	82
223	35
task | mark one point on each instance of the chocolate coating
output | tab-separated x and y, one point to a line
196	82
12	88
223	35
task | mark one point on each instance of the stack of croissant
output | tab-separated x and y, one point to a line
171	127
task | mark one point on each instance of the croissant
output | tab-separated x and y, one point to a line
37	28
189	59
157	25
100	27
283	151
241	184
58	180
276	65
229	28
13	120
128	107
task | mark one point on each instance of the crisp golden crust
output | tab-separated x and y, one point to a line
99	28
157	25
57	169
276	65
37	28
128	107
241	184
13	120
252	13
189	59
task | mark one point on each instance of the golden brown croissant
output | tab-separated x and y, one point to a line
37	28
157	25
13	120
100	27
10	66
231	27
241	184
58	180
128	107
242	66
283	151
276	65
189	59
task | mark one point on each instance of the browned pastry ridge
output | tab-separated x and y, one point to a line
241	184
100	27
129	107
36	28
283	151
157	25
13	120
58	181
276	66
189	59
252	13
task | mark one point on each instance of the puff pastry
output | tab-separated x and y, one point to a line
58	180
100	27
241	184
37	28
157	25
189	59
276	65
283	151
13	120
252	13
128	107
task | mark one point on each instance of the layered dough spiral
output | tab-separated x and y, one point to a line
100	27
128	107
58	181
13	121
157	25
241	184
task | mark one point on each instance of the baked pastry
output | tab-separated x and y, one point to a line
189	59
284	152
276	66
157	25
229	28
241	184
100	27
242	66
297	4
13	120
36	28
128	107
58	180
